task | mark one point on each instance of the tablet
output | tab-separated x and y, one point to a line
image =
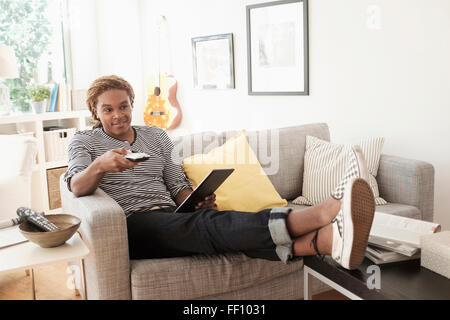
205	188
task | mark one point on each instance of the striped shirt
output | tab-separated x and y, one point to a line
155	182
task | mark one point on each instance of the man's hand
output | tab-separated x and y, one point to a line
86	181
114	161
208	203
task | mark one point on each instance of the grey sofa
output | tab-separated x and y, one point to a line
406	184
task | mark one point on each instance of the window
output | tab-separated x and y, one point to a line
34	28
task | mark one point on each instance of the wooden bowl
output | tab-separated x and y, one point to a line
68	224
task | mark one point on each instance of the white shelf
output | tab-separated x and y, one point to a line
28	254
55	164
20	118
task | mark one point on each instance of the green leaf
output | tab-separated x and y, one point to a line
24	26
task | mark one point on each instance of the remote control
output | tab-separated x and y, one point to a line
24	212
42	223
137	157
36	219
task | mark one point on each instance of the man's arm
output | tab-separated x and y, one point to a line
182	195
208	203
175	179
86	182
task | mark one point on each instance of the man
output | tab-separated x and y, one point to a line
149	192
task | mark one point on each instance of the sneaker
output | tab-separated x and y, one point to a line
352	225
357	168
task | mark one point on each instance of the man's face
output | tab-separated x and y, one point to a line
114	111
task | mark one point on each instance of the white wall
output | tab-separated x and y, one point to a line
106	40
393	81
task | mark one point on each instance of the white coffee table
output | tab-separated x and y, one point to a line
28	255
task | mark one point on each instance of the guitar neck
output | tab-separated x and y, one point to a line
158	76
161	31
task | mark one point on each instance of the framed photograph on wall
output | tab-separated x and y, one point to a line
213	61
277	48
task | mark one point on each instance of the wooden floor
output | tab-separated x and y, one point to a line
53	282
330	295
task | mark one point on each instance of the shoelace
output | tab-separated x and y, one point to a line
339	221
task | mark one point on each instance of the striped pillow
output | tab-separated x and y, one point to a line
325	165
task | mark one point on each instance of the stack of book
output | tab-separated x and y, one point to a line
59	99
53	101
395	238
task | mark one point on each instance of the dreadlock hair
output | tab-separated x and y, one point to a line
102	85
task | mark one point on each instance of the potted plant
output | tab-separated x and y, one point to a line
39	95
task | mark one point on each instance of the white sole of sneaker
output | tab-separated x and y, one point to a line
356	229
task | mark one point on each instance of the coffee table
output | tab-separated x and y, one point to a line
27	255
399	281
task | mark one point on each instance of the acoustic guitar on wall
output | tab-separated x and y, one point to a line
162	108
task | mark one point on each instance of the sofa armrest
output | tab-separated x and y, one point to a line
407	181
104	230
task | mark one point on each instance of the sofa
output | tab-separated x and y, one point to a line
407	185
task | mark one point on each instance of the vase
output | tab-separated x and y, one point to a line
39	106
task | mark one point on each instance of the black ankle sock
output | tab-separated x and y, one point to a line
314	243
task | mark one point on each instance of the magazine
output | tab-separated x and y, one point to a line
11	236
394	246
391	232
381	256
9	222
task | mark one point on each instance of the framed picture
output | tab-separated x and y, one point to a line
277	41
213	61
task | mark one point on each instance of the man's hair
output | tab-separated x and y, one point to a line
102	85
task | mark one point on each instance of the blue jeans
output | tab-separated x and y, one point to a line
164	234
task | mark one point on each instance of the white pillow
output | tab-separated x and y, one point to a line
326	163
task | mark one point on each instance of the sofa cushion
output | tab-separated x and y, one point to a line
326	163
286	287
400	210
201	275
247	188
391	208
281	152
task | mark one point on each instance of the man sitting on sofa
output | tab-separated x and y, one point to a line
149	191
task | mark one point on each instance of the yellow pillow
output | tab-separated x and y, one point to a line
247	188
